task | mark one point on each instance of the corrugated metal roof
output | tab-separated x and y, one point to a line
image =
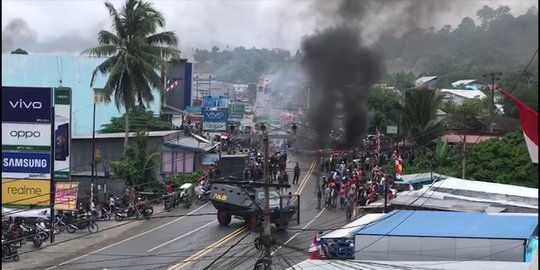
465	93
425	79
486	187
462	82
424	265
453	224
350	229
122	134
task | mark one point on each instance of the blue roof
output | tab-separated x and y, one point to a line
453	224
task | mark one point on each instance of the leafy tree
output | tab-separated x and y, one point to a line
419	116
139	158
135	51
140	121
464	118
505	161
526	91
19	51
381	105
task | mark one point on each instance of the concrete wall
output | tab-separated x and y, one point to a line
394	248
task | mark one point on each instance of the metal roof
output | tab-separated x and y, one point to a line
453	225
122	134
423	265
462	82
425	79
465	93
350	229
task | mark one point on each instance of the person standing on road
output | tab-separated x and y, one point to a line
319	196
112	203
296	173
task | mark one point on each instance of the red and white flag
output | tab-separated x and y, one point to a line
172	85
528	119
314	249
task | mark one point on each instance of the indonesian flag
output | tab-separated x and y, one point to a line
528	120
172	85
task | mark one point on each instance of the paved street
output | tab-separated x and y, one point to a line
194	241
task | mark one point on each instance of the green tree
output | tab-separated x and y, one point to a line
381	105
138	164
140	121
418	114
505	161
135	52
526	91
464	117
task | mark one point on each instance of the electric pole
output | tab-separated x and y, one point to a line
267	236
494	78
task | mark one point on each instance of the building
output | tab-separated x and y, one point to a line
469	84
441	192
76	72
393	265
458	96
405	235
427	82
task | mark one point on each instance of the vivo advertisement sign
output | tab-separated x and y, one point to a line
26	163
26	104
26	135
215	116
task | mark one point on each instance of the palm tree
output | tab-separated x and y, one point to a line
135	53
419	116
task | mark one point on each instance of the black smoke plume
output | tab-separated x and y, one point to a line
341	71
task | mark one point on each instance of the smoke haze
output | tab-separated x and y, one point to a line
342	68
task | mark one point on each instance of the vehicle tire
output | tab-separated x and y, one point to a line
118	217
70	229
149	211
107	217
223	217
15	258
93	227
37	241
252	222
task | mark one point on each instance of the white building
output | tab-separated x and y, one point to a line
458	96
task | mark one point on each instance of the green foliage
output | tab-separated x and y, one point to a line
179	180
381	104
506	161
138	164
419	116
241	65
526	91
140	121
465	117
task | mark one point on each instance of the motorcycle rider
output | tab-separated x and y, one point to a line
112	203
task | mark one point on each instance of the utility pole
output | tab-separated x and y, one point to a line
464	164
93	154
266	235
493	108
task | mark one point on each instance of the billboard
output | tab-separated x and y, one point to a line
194	110
236	111
215	120
26	192
38	135
26	104
66	196
62	133
215	102
25	165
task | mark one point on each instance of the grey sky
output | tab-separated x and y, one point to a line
55	26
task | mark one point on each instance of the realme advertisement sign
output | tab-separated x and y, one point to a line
26	192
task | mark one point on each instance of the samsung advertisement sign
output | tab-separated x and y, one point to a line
26	104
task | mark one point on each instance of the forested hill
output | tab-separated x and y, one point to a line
463	49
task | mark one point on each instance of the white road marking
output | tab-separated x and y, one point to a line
128	239
296	234
181	236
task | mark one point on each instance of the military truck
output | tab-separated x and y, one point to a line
246	201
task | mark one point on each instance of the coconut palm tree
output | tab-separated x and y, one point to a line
135	53
419	116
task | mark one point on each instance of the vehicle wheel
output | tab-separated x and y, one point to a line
17	244
107	217
37	241
252	222
70	229
150	210
223	217
16	258
118	217
93	228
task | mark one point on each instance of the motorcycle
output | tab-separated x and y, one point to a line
9	251
84	221
144	208
203	193
170	201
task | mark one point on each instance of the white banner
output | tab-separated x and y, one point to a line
214	126
26	134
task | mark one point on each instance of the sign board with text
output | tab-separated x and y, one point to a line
215	120
236	111
66	196
27	135
215	102
26	104
25	192
391	129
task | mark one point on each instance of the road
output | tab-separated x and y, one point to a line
192	238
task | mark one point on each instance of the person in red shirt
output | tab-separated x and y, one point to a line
169	190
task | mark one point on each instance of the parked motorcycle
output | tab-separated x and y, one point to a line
84	221
9	251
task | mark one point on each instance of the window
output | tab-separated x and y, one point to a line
99	97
